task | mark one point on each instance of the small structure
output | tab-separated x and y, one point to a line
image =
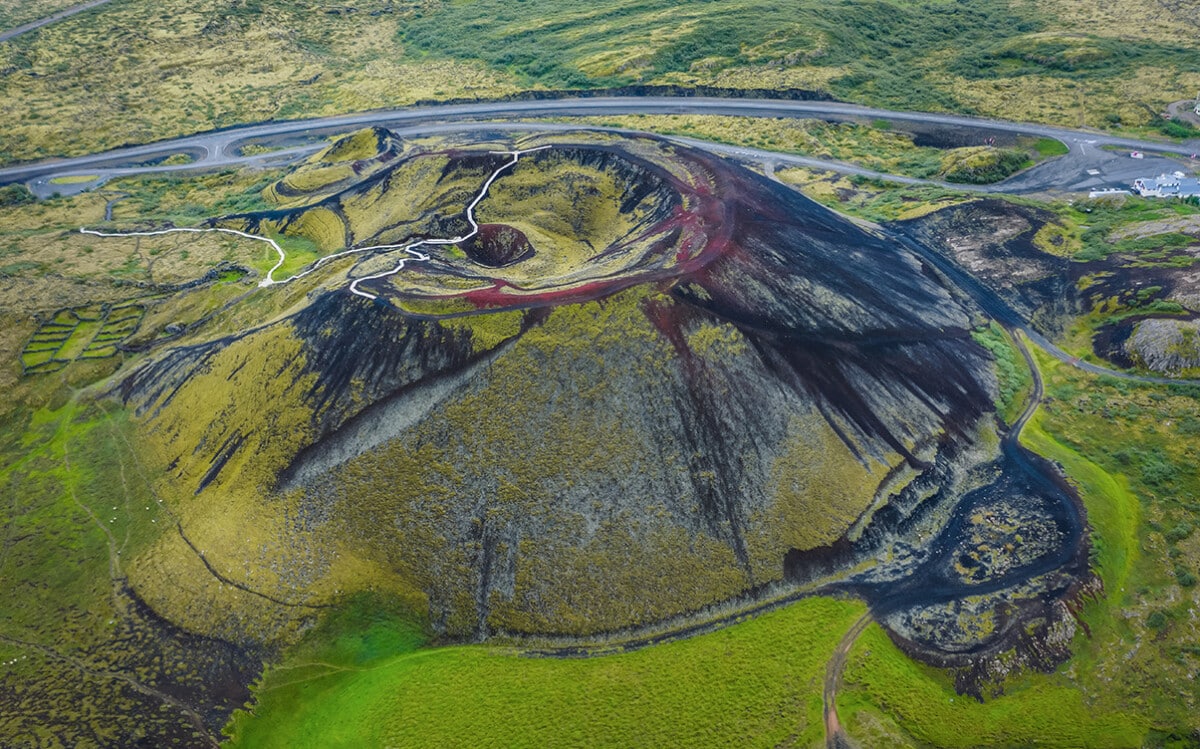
1168	186
1108	192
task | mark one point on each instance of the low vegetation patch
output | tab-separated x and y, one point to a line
1012	372
981	165
1127	447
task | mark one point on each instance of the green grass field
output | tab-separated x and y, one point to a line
888	687
1012	373
754	684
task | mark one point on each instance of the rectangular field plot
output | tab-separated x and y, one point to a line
93	332
36	360
80	339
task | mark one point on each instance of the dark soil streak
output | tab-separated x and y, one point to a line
241	586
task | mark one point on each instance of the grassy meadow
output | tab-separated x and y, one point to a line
875	146
137	74
756	684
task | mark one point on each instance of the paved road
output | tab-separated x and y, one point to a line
65	13
220	149
1185	110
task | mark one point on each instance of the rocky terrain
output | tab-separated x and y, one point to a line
1143	295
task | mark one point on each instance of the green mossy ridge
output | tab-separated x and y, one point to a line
819	486
321	226
316	179
190	434
757	683
348	160
488	330
363	144
1012	373
380	213
717	342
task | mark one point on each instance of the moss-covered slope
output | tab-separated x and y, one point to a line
696	374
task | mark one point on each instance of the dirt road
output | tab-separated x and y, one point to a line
835	736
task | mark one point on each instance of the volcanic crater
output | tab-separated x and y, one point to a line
653	384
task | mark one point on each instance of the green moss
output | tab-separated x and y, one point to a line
820	487
532	430
717	341
363	144
488	330
320	226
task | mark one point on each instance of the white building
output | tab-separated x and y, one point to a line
1167	186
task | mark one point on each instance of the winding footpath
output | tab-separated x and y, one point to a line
410	249
835	734
470	213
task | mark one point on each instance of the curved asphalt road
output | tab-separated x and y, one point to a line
219	149
65	13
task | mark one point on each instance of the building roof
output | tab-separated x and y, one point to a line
1168	186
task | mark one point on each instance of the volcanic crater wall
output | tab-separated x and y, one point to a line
601	463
